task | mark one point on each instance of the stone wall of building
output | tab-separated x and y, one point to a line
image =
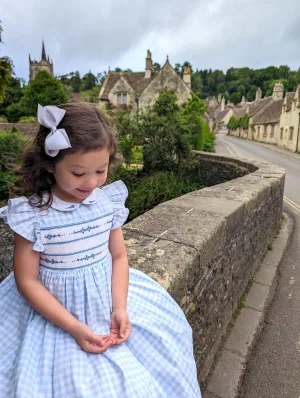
29	129
204	246
167	77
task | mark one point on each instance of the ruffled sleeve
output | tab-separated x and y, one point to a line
117	194
22	219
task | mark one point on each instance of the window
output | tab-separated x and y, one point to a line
272	131
281	133
122	98
291	133
258	131
264	131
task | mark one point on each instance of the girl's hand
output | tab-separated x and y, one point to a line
120	327
90	341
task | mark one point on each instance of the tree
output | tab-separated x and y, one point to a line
101	77
156	67
6	68
197	84
165	143
191	117
44	89
89	81
75	81
13	94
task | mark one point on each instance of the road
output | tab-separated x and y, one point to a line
273	368
250	150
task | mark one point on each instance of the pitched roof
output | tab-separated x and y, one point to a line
136	80
222	114
259	105
240	112
270	113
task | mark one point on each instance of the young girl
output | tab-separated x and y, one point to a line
75	322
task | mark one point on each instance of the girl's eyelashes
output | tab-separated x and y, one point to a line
80	175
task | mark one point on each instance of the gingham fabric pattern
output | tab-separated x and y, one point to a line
40	360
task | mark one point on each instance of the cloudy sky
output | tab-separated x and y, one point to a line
95	34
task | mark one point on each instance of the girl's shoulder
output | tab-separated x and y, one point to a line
21	216
117	193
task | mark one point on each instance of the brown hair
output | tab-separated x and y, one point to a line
87	128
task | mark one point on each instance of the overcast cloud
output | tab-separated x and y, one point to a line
96	34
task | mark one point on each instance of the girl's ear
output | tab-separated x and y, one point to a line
50	169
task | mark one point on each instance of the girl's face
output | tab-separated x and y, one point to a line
78	174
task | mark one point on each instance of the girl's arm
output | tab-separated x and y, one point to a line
26	271
120	327
120	270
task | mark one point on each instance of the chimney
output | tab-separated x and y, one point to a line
243	100
149	68
258	94
187	76
223	104
278	91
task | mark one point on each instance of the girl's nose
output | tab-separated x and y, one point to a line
91	182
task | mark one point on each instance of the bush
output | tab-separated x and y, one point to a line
7	180
146	192
11	149
28	119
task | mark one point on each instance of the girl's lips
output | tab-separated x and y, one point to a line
81	190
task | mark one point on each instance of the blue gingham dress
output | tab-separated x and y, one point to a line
40	360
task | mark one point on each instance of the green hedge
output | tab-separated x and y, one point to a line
146	192
11	149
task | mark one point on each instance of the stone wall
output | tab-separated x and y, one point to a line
203	247
29	129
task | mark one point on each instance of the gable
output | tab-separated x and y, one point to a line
166	78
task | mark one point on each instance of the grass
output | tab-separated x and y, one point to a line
242	299
269	246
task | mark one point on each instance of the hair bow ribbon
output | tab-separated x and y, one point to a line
50	116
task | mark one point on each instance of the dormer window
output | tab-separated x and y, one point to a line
122	98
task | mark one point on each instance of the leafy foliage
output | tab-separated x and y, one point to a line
146	192
6	68
44	89
11	148
237	82
235	123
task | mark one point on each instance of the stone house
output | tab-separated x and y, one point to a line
273	119
139	90
289	126
264	118
43	64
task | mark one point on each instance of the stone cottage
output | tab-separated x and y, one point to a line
289	126
273	119
141	89
43	64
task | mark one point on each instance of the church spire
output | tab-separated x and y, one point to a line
44	57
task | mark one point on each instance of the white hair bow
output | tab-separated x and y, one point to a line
50	116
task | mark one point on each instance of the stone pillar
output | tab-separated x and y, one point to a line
258	94
149	67
187	76
278	91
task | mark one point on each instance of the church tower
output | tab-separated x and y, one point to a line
43	64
